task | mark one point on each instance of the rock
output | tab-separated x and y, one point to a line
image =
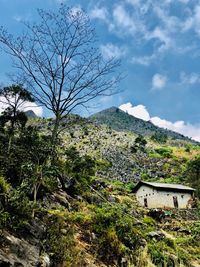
112	199
142	242
93	236
156	235
194	264
44	261
17	252
185	231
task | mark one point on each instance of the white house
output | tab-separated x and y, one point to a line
161	195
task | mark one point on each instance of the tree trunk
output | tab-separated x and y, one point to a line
34	200
10	143
54	135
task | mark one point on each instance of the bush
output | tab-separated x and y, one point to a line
159	138
4	218
60	243
4	186
148	220
164	151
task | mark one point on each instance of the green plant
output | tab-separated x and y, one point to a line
165	152
5	218
150	221
60	243
4	186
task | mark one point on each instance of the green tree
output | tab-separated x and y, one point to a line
159	138
193	174
13	97
139	144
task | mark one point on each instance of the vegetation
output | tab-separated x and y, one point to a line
59	63
67	200
84	212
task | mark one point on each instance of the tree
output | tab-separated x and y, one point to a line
59	62
159	137
193	174
139	143
13	98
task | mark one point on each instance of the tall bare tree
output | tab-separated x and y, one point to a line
59	60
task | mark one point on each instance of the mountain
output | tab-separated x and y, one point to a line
30	114
122	121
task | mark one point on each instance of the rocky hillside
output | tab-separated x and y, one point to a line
80	210
122	121
121	156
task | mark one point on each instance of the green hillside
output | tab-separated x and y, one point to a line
78	209
121	121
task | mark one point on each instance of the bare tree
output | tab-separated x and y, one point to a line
57	58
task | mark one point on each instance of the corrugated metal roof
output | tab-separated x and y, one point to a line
172	186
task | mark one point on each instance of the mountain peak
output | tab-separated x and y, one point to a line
119	120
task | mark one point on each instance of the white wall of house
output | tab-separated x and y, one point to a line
159	198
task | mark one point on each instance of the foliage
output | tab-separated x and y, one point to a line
122	121
139	144
4	186
148	220
60	243
164	152
79	169
58	60
193	173
159	137
115	232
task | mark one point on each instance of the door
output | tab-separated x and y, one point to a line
175	200
145	203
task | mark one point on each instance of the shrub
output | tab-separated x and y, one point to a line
60	243
148	220
4	218
4	186
164	151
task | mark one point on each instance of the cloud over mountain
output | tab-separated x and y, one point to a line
141	112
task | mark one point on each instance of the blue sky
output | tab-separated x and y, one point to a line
158	44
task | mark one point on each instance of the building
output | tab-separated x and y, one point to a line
161	195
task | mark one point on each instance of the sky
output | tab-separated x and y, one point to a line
158	45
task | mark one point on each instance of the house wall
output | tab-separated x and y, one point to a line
160	199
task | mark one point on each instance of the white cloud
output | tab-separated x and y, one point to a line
187	129
144	60
191	78
141	112
162	36
138	111
112	51
25	107
158	81
34	107
193	21
99	13
122	21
